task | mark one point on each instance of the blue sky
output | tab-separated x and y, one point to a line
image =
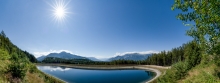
100	28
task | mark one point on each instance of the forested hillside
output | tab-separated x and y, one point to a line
17	66
181	53
201	62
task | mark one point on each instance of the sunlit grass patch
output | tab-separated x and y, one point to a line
202	74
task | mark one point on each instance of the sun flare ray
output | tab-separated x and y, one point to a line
60	10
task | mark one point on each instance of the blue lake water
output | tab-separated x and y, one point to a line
72	75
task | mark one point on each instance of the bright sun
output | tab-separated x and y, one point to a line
60	10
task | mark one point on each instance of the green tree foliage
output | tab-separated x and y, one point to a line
67	61
88	62
4	55
205	16
2	34
18	67
177	72
192	54
8	48
17	59
30	57
18	70
15	63
32	68
191	57
166	58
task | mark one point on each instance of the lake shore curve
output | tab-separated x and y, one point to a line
153	68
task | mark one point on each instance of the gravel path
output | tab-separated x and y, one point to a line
158	73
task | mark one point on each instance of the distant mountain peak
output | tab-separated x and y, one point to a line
66	55
131	56
63	52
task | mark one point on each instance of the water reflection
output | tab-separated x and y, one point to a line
150	73
53	68
77	75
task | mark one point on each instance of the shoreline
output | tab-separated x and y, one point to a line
53	76
152	68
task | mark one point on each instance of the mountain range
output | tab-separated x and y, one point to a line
93	58
65	55
131	56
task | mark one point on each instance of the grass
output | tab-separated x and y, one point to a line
172	75
40	77
49	79
3	69
202	74
34	77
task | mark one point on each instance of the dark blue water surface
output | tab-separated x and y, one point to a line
72	75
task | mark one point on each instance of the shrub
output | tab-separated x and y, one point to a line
18	67
193	55
18	70
33	69
178	71
168	77
4	55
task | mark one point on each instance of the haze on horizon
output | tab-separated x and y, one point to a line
98	28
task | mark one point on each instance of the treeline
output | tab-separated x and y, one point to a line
14	61
202	16
19	60
164	58
11	49
189	51
87	61
167	58
192	57
66	61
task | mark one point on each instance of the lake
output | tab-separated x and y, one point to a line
76	75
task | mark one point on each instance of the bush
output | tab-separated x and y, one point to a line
216	52
193	55
180	69
4	55
177	71
168	77
18	70
33	69
18	67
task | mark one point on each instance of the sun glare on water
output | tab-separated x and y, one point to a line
60	10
